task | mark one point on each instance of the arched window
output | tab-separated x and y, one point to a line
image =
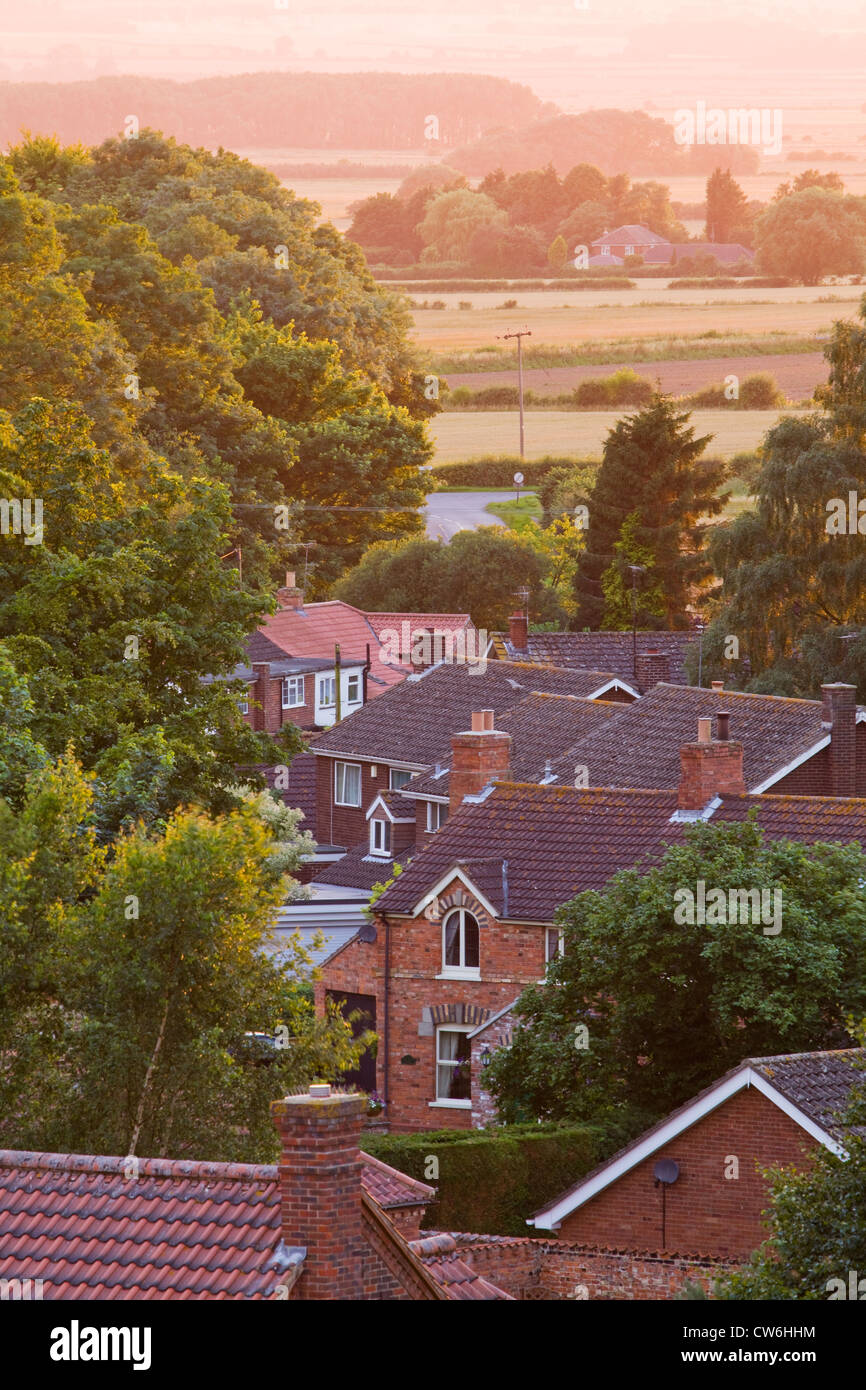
460	944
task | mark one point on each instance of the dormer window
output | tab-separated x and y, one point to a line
460	946
437	815
397	778
380	838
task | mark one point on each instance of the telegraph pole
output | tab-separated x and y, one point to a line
520	335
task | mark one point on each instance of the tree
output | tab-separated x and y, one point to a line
817	1226
505	251
726	206
477	572
811	234
670	1006
809	178
557	255
650	464
451	221
625	601
793	581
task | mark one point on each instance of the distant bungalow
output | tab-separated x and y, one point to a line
634	240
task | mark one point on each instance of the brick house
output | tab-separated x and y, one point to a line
631	240
694	1181
471	921
327	1222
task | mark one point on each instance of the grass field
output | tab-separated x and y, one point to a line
443	330
517	515
469	435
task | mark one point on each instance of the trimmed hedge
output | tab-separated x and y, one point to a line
491	1180
497	470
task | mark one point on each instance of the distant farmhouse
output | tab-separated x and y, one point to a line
634	240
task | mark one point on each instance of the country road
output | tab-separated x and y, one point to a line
450	512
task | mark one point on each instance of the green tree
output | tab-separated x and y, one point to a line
651	464
670	1006
451	221
811	234
726	206
809	178
621	609
557	254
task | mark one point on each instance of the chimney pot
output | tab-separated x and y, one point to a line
723	722
718	685
705	730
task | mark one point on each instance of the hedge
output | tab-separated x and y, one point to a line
491	1180
498	470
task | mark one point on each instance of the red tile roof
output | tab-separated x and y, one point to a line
172	1229
461	1283
316	628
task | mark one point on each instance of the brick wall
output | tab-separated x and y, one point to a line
705	1212
536	1269
268	692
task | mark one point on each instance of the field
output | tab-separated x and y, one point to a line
468	435
600	316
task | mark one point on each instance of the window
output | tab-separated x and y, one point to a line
380	837
554	943
293	691
437	815
347	784
244	705
453	1064
460	944
353	689
327	691
605	250
629	250
397	778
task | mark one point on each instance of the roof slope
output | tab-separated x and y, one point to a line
634	234
603	651
173	1229
415	721
642	748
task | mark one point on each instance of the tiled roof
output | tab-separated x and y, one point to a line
642	747
605	651
818	1083
461	1283
541	726
538	846
400	806
415	722
316	628
175	1229
360	869
632	233
529	849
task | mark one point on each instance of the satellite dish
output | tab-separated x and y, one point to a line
367	932
666	1170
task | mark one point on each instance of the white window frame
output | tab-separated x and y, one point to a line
399	772
436	811
605	250
446	1102
380	837
353	680
290	685
461	971
330	685
343	766
550	934
244	704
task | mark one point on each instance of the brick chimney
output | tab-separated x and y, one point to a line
320	1189
839	715
290	596
477	756
518	628
709	768
651	666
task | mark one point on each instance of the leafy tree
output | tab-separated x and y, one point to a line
505	251
651	465
726	206
451	221
671	1006
809	178
557	255
811	234
620	609
584	184
584	225
477	572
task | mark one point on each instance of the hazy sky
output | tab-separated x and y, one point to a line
576	52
